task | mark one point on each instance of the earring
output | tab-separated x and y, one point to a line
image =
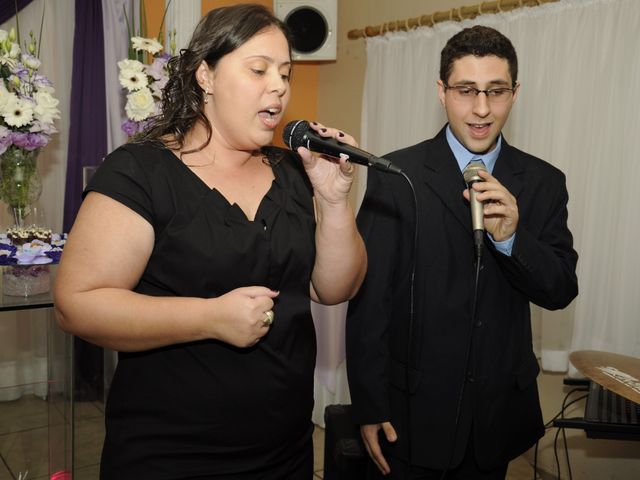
206	96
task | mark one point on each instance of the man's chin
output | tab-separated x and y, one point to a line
481	147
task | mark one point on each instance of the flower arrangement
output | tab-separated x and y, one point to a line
28	107
144	81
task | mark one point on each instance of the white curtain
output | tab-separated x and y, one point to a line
577	109
183	15
23	335
116	48
330	381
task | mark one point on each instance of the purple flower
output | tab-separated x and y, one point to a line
149	121
28	270
22	73
157	69
7	249
5	139
7	252
130	127
161	83
54	255
29	141
41	81
44	128
18	138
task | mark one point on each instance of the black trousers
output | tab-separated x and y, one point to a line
298	467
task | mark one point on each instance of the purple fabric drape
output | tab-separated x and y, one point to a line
8	9
88	122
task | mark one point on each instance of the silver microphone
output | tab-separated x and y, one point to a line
470	174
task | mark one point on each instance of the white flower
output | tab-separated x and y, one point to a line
5	141
143	83
140	104
147	44
4	97
17	112
15	51
45	88
133	80
34	253
128	64
46	107
31	62
28	106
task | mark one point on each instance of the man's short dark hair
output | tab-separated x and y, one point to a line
479	41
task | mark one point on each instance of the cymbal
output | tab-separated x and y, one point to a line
618	373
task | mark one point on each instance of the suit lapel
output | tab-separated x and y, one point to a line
509	169
443	176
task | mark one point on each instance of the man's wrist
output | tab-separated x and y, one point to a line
504	246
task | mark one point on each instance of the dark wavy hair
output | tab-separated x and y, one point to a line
479	41
218	33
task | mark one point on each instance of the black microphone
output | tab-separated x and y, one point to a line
470	174
297	133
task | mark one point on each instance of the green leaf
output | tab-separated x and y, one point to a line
164	15
143	20
132	52
41	27
17	22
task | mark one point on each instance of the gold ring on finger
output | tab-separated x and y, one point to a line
270	316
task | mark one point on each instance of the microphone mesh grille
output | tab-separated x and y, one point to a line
470	172
294	132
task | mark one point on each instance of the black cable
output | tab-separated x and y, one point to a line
535	461
472	324
555	451
549	425
566	453
564	435
411	315
410	334
566	397
478	255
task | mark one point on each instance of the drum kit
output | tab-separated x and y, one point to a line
618	373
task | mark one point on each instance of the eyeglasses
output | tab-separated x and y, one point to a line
464	93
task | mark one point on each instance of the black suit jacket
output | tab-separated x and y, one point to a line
417	387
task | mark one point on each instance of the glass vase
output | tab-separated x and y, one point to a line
20	184
25	280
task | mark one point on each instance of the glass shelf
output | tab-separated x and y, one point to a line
11	303
36	387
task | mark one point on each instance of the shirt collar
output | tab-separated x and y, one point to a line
464	156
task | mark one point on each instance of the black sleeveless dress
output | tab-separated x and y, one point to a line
207	409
